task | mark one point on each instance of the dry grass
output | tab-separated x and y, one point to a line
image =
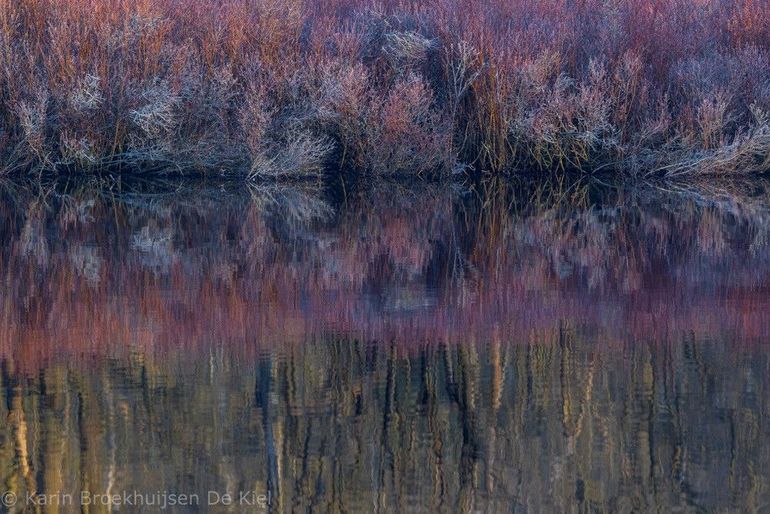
295	87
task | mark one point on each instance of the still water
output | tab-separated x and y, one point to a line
388	348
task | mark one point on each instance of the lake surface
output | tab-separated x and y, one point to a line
493	347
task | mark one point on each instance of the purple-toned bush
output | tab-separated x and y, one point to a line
299	87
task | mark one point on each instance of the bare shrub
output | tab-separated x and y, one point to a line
642	87
404	132
33	121
157	117
79	152
747	153
713	118
406	51
297	155
344	103
154	124
87	96
564	124
463	67
255	117
282	136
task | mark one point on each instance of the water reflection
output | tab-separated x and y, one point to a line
497	347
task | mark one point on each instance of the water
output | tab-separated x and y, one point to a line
412	348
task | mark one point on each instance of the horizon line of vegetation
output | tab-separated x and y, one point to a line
294	88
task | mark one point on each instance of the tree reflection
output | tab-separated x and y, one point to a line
552	348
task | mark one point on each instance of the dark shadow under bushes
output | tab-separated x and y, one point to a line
290	88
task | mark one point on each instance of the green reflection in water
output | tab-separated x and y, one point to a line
560	424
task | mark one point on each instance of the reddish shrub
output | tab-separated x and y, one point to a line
393	86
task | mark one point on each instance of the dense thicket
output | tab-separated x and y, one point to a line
295	87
